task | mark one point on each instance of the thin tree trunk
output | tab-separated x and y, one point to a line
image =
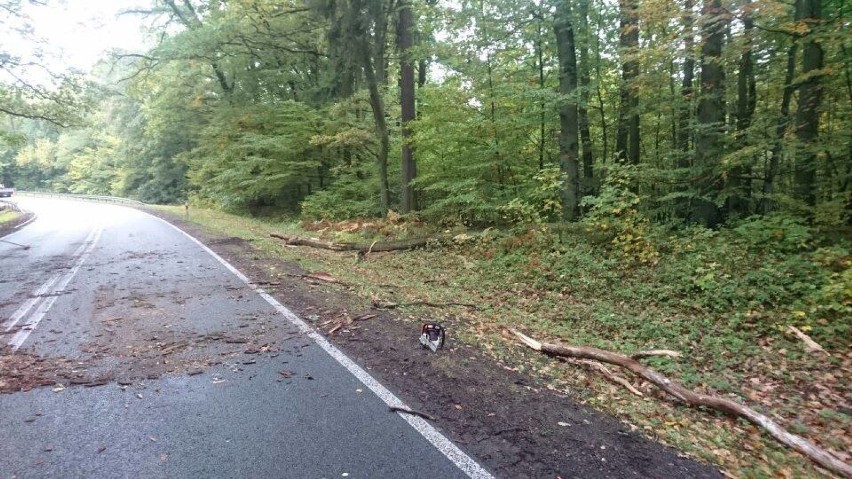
378	108
409	167
772	168
583	110
568	138
540	63
601	104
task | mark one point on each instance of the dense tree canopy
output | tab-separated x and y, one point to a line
517	112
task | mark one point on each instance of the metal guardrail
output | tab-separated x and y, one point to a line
70	196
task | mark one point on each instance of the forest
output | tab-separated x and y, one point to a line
691	160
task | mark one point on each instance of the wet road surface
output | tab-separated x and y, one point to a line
140	354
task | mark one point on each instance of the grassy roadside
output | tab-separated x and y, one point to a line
722	303
8	217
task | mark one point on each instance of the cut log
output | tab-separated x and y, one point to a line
813	452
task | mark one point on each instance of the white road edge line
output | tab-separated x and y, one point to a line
83	251
464	462
26	222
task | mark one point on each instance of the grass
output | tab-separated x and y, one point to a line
714	296
7	216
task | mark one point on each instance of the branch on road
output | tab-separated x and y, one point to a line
410	411
693	399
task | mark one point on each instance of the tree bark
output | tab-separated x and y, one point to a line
693	399
568	137
408	113
686	88
588	182
810	98
711	113
738	186
627	136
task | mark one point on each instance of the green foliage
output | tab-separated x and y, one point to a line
352	195
776	233
615	215
542	203
257	157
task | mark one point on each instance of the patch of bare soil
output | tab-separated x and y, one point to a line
511	423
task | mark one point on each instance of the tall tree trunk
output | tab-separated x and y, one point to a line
810	98
774	163
381	10
366	50
406	88
588	181
686	88
568	137
738	184
601	106
627	137
539	51
711	113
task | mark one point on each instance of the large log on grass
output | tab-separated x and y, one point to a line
374	247
693	399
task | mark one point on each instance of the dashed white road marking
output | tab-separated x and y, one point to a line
49	292
25	308
464	462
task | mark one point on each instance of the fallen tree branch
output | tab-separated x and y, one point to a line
410	411
810	344
693	399
608	374
379	304
365	248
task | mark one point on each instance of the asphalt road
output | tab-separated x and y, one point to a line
197	372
